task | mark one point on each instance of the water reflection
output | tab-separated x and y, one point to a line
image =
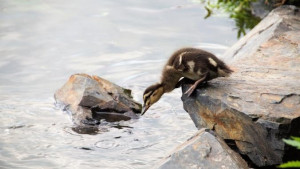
92	130
239	10
99	127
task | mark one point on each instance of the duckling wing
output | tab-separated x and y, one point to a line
195	63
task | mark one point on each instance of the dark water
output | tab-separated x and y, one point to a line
125	41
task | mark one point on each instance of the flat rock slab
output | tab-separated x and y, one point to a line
91	99
260	103
203	150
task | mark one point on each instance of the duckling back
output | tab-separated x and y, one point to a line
193	63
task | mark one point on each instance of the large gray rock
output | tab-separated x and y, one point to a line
90	99
260	103
203	150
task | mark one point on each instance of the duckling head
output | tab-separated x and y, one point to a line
151	95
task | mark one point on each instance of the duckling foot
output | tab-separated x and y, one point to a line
194	86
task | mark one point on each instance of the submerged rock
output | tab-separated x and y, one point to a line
259	104
91	99
203	150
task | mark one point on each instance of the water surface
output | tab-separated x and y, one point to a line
125	41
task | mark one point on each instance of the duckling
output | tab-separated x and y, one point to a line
191	63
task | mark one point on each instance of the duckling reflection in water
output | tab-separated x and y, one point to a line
191	63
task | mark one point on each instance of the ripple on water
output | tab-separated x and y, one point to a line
106	144
128	46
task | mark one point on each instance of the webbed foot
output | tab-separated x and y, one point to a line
195	85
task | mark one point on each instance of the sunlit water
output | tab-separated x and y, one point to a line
125	41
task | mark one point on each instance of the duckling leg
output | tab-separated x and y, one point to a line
184	80
194	86
179	83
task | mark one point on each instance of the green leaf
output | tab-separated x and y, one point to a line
290	164
293	143
209	12
296	138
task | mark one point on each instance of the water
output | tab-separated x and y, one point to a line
125	41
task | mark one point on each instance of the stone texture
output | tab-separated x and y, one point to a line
260	103
261	8
90	99
203	150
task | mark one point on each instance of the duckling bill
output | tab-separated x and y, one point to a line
191	63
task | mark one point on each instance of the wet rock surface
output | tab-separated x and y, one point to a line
260	103
203	150
91	99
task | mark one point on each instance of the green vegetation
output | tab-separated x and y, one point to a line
239	10
295	142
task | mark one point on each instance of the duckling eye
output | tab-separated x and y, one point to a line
146	96
148	102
